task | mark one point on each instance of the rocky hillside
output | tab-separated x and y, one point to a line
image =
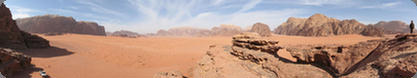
124	33
254	57
321	25
261	29
393	27
13	37
59	24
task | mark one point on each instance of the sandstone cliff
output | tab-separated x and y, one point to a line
59	24
13	37
320	25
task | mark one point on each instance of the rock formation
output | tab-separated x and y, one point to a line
261	29
393	27
13	37
320	25
184	31
124	33
59	24
12	62
226	30
253	57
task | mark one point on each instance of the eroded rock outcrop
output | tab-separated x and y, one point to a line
13	37
320	25
261	29
12	62
59	24
251	57
254	57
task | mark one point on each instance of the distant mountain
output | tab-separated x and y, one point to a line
393	27
124	33
261	29
226	30
184	31
321	25
59	24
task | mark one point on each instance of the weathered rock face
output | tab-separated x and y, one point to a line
393	58
251	57
125	33
184	31
320	25
226	30
12	61
12	37
261	29
59	24
393	27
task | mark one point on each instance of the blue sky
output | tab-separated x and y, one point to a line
148	16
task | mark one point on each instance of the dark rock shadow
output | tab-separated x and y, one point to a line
47	52
27	72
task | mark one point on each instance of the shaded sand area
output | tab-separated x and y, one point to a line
85	56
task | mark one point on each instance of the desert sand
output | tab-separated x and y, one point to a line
86	56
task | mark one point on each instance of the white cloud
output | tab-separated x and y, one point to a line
384	5
21	12
164	14
20	15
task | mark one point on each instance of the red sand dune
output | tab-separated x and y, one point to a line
85	56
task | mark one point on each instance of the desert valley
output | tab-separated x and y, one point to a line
315	47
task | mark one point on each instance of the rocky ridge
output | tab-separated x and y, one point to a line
321	25
59	24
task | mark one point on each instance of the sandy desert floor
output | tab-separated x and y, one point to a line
85	56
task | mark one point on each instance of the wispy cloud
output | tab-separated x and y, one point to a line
384	5
21	12
167	14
